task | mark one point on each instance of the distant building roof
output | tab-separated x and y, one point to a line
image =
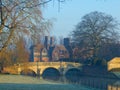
114	63
114	60
39	46
62	47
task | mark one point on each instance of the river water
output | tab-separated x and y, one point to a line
90	82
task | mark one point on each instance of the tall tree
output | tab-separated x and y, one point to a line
20	52
15	54
95	29
19	18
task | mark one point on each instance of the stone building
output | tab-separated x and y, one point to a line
49	51
60	52
114	63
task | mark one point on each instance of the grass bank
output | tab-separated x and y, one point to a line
17	82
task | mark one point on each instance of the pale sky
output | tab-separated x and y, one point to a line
72	11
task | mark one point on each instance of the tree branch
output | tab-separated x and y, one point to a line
43	3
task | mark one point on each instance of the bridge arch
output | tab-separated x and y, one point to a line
73	71
28	72
51	73
73	74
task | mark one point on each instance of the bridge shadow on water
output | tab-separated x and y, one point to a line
51	73
75	76
91	82
54	74
28	72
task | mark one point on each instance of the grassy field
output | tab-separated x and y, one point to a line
16	82
18	79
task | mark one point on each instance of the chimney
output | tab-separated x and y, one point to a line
66	42
46	42
68	47
51	41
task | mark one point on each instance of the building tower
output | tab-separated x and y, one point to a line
51	41
68	47
46	42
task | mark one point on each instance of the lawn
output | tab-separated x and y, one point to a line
17	82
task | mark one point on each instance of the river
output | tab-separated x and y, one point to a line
90	82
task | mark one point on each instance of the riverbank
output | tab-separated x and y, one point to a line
22	79
17	82
98	71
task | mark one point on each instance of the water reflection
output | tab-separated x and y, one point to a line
115	86
92	82
51	73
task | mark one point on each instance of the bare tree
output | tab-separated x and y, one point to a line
19	18
20	51
15	54
95	29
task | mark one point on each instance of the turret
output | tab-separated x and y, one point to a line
68	47
51	41
46	42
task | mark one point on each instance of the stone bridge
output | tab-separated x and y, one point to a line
41	67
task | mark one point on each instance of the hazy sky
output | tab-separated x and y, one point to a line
72	11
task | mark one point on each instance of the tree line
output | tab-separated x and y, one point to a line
96	37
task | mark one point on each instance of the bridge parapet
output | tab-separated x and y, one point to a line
54	63
44	65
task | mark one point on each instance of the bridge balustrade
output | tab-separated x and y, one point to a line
44	65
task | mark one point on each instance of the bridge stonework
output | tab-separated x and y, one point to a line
42	66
